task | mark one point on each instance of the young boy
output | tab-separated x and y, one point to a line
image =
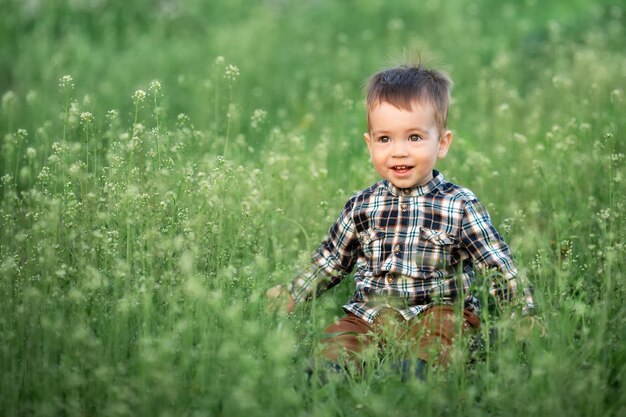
414	240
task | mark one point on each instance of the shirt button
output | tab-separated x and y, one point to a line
404	206
396	249
390	279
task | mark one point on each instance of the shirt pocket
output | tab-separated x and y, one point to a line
371	241
435	249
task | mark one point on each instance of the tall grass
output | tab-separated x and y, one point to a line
162	166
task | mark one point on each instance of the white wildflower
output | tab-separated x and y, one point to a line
155	86
8	99
231	72
257	118
22	133
617	95
138	128
139	96
519	138
74	108
183	119
75	168
604	214
66	82
133	143
86	118
233	111
44	174
112	114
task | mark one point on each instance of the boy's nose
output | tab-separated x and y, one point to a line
399	149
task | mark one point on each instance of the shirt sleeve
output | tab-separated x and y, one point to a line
491	254
331	262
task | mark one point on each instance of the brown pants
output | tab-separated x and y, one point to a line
427	337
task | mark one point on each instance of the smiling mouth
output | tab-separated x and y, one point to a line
401	168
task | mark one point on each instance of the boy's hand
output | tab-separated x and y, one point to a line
280	300
527	326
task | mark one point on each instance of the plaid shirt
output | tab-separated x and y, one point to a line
413	248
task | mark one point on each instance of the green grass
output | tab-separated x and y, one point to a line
140	232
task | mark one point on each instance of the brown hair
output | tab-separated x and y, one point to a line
404	84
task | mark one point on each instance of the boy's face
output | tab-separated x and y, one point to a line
405	145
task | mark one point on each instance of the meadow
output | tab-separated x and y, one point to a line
163	163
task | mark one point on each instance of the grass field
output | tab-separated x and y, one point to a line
163	163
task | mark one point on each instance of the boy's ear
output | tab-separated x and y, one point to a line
444	144
368	140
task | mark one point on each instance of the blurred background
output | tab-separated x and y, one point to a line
295	57
303	63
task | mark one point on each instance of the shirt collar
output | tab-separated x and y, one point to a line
418	190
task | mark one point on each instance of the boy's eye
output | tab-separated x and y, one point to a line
415	138
384	139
